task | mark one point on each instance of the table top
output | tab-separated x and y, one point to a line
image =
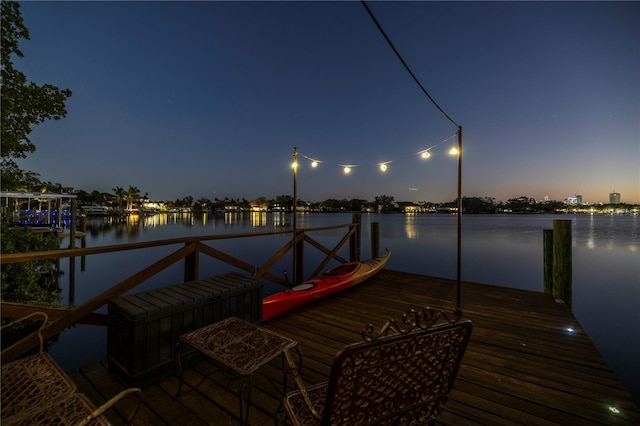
240	345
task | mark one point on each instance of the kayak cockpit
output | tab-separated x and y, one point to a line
341	270
304	286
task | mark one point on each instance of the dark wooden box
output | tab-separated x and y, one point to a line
144	327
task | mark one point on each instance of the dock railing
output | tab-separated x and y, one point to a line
189	252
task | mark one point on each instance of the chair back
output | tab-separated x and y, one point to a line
402	378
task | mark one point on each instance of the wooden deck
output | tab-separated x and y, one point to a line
522	365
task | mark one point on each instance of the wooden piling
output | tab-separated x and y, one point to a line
58	216
375	239
298	247
356	239
562	261
547	258
74	218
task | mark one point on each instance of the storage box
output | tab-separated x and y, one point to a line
144	327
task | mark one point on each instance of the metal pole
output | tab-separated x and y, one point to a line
294	246
459	266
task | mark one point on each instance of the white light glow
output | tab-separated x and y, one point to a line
453	151
426	154
294	165
347	170
383	167
314	163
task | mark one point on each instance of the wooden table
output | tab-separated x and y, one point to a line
239	346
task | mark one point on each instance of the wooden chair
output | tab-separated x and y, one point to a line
401	375
35	390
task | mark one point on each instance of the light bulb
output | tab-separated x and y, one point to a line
347	170
453	151
314	163
383	167
294	165
426	154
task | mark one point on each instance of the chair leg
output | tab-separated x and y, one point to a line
176	357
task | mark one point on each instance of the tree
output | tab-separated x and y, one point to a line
520	204
120	194
385	202
24	103
477	205
29	282
133	194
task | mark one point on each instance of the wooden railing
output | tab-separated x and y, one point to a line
191	248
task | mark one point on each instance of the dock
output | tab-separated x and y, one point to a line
528	362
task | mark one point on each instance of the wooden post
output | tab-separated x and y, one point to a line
74	217
72	280
58	217
547	257
83	241
191	264
375	239
298	248
562	261
355	240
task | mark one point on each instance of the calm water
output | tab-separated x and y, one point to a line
504	250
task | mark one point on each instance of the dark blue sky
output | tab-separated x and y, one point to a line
208	99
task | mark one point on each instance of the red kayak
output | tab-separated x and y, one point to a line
334	280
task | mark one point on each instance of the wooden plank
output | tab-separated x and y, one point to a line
104	386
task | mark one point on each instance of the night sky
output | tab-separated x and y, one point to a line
208	99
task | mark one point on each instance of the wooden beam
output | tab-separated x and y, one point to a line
238	263
334	252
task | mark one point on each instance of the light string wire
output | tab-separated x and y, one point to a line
405	64
315	161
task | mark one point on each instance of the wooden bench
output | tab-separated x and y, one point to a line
398	376
145	327
35	390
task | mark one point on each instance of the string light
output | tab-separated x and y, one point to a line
314	162
384	166
346	168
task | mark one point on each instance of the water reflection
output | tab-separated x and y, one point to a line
279	219
182	217
410	229
258	219
230	217
591	234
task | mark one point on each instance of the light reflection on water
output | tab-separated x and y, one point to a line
496	249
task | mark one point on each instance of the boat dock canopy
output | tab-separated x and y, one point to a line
4	194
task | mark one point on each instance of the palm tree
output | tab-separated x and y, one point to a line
133	194
120	195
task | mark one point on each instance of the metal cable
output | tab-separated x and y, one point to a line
405	64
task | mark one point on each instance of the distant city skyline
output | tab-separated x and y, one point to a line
613	198
208	99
